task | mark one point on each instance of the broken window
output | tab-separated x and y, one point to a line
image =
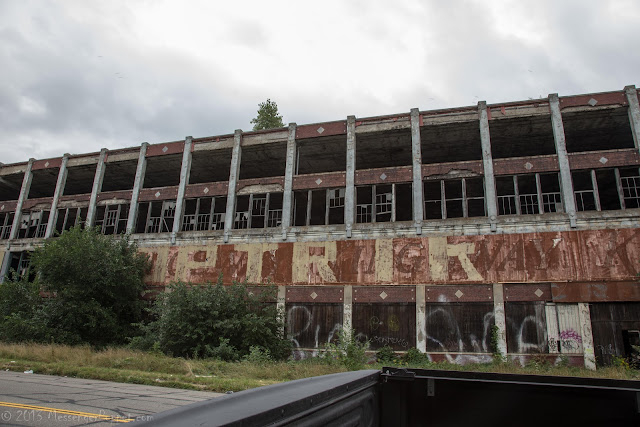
156	217
6	221
112	219
19	264
460	198
33	224
386	201
70	217
204	213
528	194
319	207
629	179
606	189
258	211
585	189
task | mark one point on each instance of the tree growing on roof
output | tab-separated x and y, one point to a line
268	117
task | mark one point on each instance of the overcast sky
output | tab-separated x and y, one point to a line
81	75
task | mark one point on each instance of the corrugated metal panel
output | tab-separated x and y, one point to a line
459	328
313	325
386	324
526	327
608	323
569	329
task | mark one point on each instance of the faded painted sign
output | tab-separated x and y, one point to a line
582	256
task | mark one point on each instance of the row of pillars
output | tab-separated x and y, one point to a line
498	312
350	197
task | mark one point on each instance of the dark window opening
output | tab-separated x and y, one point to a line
528	194
585	189
33	224
259	211
6	221
597	130
460	198
119	175
112	219
210	166
263	160
156	217
318	155
10	186
300	215
204	213
607	182
43	183
19	263
70	217
163	171
522	137
384	149
319	207
79	180
452	142
630	187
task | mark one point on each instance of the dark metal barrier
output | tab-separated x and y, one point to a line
417	397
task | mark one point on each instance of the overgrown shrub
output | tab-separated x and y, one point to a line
193	320
22	313
385	354
348	351
415	357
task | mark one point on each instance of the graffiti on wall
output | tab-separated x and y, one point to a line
535	257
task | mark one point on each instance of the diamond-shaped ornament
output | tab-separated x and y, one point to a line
206	190
383	295
46	165
320	129
165	149
592	102
313	295
528	166
538	292
318	181
157	194
603	160
459	294
383	176
2	208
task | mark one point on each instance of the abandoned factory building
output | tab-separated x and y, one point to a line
419	229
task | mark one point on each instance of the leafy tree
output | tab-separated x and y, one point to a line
95	283
218	321
268	117
22	314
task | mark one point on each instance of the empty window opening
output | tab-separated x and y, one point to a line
319	207
119	175
608	191
389	206
10	186
263	160
404	202
33	224
597	130
318	155
6	221
156	217
460	198
210	166
80	179
630	187
528	194
259	210
70	217
43	183
522	137
163	171
19	263
112	219
204	213
585	189
451	142
384	149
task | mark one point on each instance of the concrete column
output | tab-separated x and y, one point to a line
24	195
280	307
137	186
97	187
566	185
421	321
234	175
499	318
587	336
634	113
185	171
62	180
287	196
347	310
350	190
416	151
487	163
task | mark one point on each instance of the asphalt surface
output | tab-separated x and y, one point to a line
46	400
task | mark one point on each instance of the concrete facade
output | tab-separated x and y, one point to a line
509	228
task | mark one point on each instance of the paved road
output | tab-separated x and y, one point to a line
46	400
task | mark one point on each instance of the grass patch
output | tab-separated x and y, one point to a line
137	367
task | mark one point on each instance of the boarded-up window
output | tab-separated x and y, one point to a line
392	325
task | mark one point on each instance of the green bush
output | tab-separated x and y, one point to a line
415	357
347	351
193	320
385	354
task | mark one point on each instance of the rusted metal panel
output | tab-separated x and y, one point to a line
526	327
604	159
391	175
162	193
165	148
319	180
464	293
383	294
471	167
569	336
8	206
525	165
47	163
604	98
572	256
121	195
208	189
314	294
609	321
30	203
387	324
312	325
321	129
528	292
454	328
596	292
